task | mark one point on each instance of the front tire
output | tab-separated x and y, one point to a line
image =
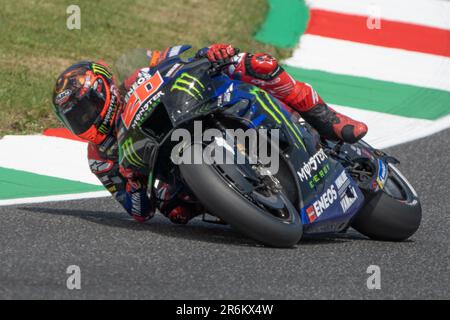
224	201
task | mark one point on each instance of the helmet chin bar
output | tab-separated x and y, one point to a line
92	135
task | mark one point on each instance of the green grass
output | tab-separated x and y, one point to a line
36	45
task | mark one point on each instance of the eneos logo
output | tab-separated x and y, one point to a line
325	200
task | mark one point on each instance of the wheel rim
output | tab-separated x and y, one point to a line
260	194
257	184
393	188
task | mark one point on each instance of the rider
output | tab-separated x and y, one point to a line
89	102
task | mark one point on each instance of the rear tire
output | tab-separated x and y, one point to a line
390	217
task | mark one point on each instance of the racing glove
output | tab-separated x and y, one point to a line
219	53
136	201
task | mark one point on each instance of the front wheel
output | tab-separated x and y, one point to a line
393	214
234	195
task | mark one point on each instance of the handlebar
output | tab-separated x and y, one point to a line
217	67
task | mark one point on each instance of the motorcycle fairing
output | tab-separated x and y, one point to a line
332	209
219	93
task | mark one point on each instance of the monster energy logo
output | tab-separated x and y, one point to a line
103	129
99	69
276	113
130	154
187	83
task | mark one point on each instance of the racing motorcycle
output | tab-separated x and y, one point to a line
320	187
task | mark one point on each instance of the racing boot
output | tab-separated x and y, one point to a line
333	125
181	215
178	206
329	123
264	71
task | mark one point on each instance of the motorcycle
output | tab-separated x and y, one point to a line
320	186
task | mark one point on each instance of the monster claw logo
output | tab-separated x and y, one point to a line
128	152
99	69
187	83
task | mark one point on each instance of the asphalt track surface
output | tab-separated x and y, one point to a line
121	259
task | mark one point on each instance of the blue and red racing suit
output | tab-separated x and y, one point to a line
128	184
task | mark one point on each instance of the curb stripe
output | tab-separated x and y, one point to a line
21	184
61	133
47	156
369	61
285	23
392	34
431	13
381	96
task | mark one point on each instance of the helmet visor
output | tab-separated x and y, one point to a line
80	116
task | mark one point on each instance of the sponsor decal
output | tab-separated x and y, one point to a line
189	84
311	213
325	200
348	198
128	152
347	192
259	82
316	178
312	166
382	174
226	96
102	70
341	190
174	51
274	110
100	166
142	93
142	77
105	126
342	181
62	97
147	108
174	69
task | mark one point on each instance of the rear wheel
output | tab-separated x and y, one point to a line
391	215
259	206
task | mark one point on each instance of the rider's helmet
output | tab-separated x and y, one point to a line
87	100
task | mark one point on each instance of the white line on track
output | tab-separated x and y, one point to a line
64	197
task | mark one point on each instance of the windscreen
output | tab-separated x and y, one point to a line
187	94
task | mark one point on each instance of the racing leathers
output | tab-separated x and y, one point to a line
123	171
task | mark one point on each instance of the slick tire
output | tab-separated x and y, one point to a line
225	202
392	215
